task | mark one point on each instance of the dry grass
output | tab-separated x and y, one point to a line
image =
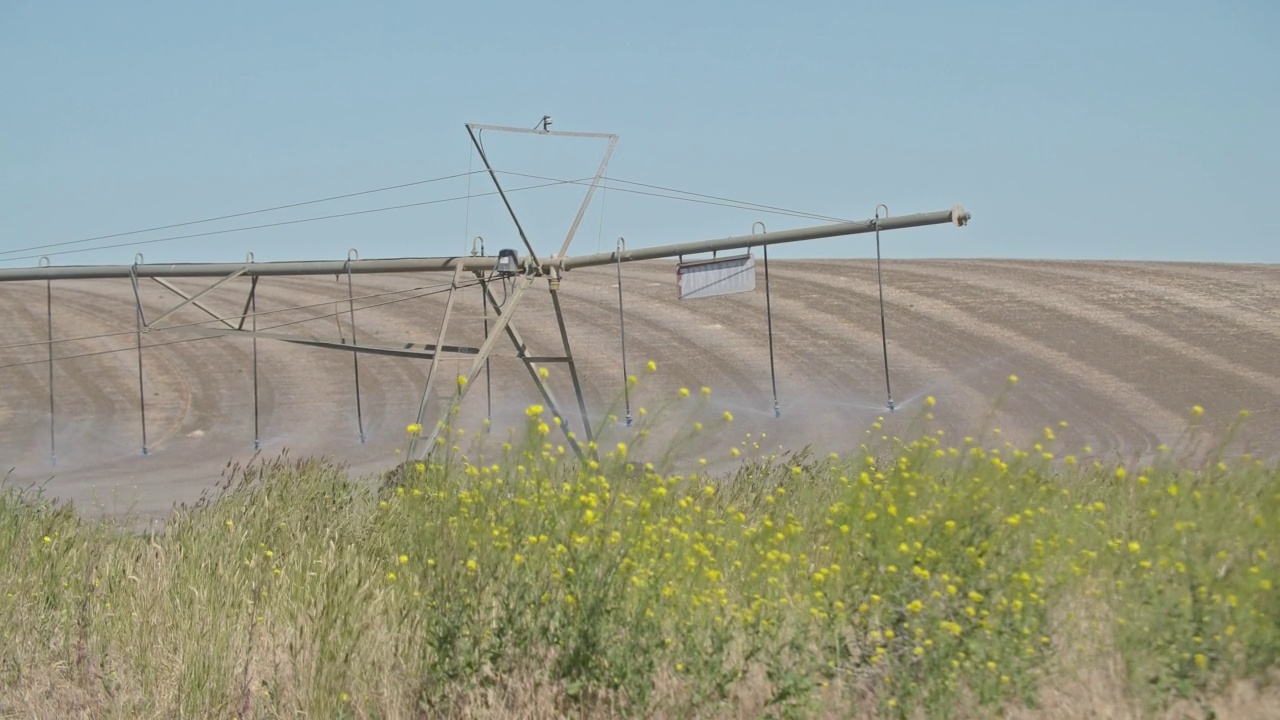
942	580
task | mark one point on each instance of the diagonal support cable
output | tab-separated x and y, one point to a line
198	295
493	176
586	201
195	303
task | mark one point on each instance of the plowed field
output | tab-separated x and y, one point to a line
1120	351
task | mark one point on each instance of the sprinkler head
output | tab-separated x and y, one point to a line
891	405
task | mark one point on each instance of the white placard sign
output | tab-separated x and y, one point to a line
718	276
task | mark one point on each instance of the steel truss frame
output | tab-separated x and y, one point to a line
484	269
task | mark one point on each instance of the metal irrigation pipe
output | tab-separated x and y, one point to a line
957	215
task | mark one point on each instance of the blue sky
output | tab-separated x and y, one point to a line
1118	130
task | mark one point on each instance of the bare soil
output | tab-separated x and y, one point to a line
1118	350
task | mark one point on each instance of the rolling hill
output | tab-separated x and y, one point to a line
1120	351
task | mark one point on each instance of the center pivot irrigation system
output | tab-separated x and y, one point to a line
514	272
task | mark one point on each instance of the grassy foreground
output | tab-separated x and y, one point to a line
931	577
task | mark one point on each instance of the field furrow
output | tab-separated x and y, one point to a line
1119	350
